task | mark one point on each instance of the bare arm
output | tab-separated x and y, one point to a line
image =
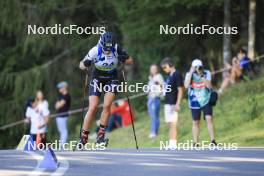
46	120
27	120
179	95
179	98
208	83
83	65
129	61
59	104
45	123
187	80
206	78
188	77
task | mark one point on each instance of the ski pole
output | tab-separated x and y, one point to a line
83	104
130	111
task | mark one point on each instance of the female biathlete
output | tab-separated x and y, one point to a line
105	55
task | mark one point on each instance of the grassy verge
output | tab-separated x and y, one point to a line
238	116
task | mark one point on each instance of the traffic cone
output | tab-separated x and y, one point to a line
26	144
49	161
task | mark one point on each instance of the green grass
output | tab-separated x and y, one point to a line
238	117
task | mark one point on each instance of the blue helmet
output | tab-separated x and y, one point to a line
107	41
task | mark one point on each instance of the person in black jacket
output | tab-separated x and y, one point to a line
63	106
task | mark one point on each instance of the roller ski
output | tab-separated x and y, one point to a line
101	140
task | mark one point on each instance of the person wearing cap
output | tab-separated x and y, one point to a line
198	83
62	106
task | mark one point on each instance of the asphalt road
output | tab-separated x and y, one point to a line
144	162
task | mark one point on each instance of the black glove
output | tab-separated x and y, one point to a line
87	63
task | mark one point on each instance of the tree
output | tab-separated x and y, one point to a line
251	29
227	37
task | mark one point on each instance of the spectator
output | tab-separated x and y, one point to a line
123	110
63	106
115	120
240	64
198	82
172	99
155	83
41	99
38	116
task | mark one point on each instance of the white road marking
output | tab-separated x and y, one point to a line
155	164
238	159
131	154
9	172
37	170
208	167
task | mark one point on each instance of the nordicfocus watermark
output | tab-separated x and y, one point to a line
66	146
125	87
59	29
204	145
191	29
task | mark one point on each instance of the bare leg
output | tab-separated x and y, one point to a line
195	130
93	103
235	73
225	83
210	126
108	100
173	131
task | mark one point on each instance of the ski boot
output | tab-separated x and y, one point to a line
101	140
83	140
